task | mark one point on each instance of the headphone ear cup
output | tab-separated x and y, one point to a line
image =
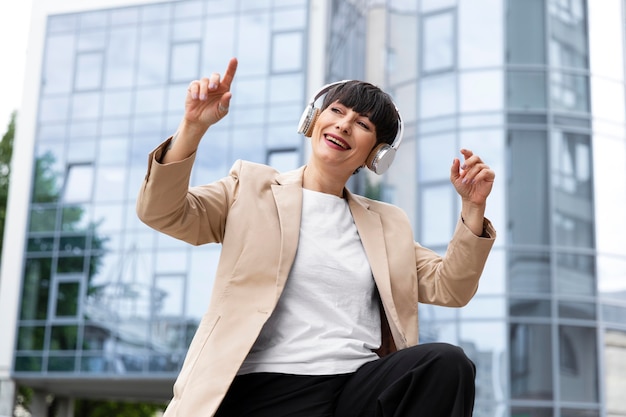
307	120
380	159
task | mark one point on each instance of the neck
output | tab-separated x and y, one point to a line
324	182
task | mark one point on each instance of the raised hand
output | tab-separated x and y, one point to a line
208	99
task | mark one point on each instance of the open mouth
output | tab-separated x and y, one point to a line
337	141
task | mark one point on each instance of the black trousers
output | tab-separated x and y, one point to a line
429	380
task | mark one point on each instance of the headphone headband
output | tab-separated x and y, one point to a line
381	156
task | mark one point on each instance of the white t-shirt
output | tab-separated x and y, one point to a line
327	320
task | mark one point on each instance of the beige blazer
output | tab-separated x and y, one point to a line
254	213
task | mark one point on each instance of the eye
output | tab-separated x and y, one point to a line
335	109
363	124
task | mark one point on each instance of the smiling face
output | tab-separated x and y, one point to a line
342	138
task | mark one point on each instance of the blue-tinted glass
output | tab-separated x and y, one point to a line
481	33
531	361
92	41
116	103
150	100
58	64
568	37
189	8
124	16
62	23
109	184
121	57
187	30
434	153
526	90
86	106
438	32
438	96
578	364
289	19
569	92
222	27
526	37
93	20
287	49
53	109
78	183
253	44
185	62
438	215
88	71
152	64
156	12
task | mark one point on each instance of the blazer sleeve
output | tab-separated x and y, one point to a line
452	279
166	202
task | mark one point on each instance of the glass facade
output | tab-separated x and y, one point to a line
102	293
526	84
519	82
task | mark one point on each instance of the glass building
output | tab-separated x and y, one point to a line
99	305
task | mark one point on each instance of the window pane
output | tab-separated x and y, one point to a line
121	57
88	71
568	40
529	307
529	272
63	337
531	362
31	338
67	299
58	64
615	371
528	164
438	96
526	31
612	277
481	33
35	289
569	92
481	91
575	274
153	61
78	183
434	156
438	46
185	62
578	364
253	44
526	90
284	160
438	213
287	49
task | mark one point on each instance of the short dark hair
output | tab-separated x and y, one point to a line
368	100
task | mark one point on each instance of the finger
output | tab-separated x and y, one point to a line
224	103
455	169
193	89
229	74
214	81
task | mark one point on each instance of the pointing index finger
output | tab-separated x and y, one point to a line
230	72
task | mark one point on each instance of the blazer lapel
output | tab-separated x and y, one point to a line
288	197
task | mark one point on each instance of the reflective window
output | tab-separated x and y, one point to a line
152	63
169	295
287	52
481	34
431	5
35	288
253	26
109	184
532	411
481	91
529	307
569	92
526	90
529	272
577	310
185	62
531	362
611	276
151	100
438	215
568	38
614	357
88	71
116	103
438	96
526	37
578	364
284	159
31	338
439	49
78	183
434	156
188	29
121	57
86	105
575	274
67	299
53	109
58	64
528	170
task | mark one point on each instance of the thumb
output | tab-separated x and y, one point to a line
455	173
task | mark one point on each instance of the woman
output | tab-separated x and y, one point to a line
314	305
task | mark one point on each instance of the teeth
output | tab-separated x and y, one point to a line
336	142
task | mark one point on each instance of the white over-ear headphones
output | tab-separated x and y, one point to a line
381	157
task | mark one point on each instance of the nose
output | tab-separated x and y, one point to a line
344	124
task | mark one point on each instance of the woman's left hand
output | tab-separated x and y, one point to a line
472	179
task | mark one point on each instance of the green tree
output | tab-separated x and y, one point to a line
6	152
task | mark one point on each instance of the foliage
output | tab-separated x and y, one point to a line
6	152
92	408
